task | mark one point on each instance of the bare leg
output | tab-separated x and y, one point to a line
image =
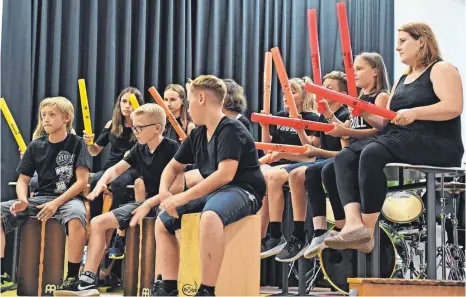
298	193
168	251
212	247
277	177
76	240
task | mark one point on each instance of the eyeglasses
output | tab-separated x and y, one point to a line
138	129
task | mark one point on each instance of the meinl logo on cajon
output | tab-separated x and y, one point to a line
49	289
145	292
189	289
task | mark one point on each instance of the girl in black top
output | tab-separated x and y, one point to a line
235	103
118	132
274	173
175	98
426	131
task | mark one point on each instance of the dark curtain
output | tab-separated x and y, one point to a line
48	45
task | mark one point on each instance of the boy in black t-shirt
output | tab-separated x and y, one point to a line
62	164
233	185
150	156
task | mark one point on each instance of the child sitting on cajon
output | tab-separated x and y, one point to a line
150	156
62	164
233	186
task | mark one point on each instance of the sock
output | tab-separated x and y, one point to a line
276	229
319	232
298	230
208	289
159	277
2	268
73	269
170	285
336	229
88	277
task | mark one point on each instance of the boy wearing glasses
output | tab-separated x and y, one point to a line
149	156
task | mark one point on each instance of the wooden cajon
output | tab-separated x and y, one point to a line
240	271
29	254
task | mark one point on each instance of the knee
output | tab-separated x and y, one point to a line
297	176
372	156
210	219
159	227
139	184
328	173
76	228
96	224
277	177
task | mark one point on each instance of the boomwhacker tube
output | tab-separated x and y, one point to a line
11	122
283	77
85	108
315	54
133	101
170	116
350	101
289	122
267	81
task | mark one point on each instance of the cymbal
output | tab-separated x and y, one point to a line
452	186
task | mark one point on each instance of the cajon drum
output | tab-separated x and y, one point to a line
240	271
135	277
29	255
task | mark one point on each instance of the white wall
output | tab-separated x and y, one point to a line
447	20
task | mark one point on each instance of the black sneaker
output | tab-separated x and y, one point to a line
292	251
159	290
272	246
73	287
203	292
117	251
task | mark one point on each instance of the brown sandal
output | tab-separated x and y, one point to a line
352	240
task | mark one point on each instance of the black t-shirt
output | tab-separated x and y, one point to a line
55	163
244	121
286	135
230	140
170	132
151	165
328	142
358	122
119	145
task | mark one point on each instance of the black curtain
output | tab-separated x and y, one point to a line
48	45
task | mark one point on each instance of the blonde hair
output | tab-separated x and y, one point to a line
376	62
211	83
297	85
431	51
185	119
118	120
63	105
152	111
340	77
234	100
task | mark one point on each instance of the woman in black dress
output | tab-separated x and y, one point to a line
428	100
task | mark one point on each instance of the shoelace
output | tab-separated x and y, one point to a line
291	244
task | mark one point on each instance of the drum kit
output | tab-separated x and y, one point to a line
402	238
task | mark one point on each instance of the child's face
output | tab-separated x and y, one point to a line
53	119
145	129
173	100
125	105
298	97
197	107
333	84
364	74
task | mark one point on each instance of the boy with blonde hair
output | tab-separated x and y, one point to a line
150	156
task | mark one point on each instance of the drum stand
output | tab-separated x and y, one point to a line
451	255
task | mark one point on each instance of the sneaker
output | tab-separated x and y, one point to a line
5	282
203	292
73	287
292	251
272	246
159	290
317	244
117	251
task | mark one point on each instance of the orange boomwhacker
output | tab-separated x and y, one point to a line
315	54
347	53
267	81
288	122
283	77
284	148
170	116
350	101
